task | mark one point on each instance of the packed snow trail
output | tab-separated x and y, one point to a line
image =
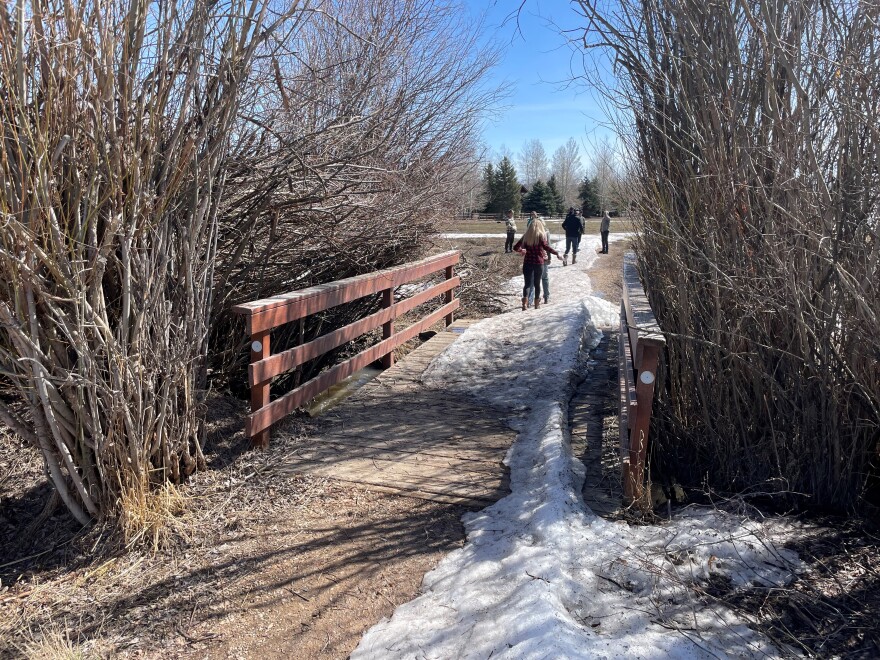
540	575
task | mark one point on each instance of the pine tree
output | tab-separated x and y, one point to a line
558	197
489	185
539	199
589	196
507	189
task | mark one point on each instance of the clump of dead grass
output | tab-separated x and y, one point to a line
151	517
51	645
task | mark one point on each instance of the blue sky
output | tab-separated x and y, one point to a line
536	64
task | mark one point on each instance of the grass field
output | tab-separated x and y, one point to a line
489	227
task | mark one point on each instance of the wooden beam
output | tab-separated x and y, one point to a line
260	349
450	294
388	327
641	343
272	312
638	439
274	365
641	322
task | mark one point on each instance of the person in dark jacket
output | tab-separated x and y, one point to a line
604	228
534	246
574	229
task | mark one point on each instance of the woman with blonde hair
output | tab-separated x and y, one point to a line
533	245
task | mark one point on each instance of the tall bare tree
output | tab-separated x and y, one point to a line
114	122
604	169
364	132
162	161
532	160
569	171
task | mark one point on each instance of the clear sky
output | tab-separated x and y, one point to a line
536	64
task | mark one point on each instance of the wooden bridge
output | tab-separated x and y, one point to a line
456	453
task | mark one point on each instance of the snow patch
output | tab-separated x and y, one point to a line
541	576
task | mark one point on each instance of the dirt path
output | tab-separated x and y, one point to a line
373	565
268	565
264	565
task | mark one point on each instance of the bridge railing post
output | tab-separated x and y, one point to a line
260	350
450	295
388	328
638	444
640	345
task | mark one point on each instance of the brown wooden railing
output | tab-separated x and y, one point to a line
263	316
641	341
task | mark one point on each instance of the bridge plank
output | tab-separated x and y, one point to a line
336	453
398	435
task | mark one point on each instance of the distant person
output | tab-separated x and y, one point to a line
511	233
574	229
534	246
604	228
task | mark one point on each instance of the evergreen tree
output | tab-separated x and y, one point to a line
558	197
507	187
539	199
589	196
489	186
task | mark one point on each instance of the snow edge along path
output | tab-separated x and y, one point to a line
540	575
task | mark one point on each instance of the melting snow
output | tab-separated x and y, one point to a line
540	575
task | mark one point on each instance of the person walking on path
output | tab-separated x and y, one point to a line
574	229
534	246
545	275
604	228
511	233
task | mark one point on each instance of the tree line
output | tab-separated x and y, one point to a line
503	189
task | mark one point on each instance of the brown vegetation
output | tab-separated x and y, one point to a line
754	131
162	161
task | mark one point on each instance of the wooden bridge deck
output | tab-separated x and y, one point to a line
397	435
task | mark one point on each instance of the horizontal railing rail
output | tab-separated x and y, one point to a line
641	341
263	316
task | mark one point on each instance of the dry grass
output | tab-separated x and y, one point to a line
252	539
53	644
150	516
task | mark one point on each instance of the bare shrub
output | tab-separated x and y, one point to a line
114	124
360	132
755	137
162	161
